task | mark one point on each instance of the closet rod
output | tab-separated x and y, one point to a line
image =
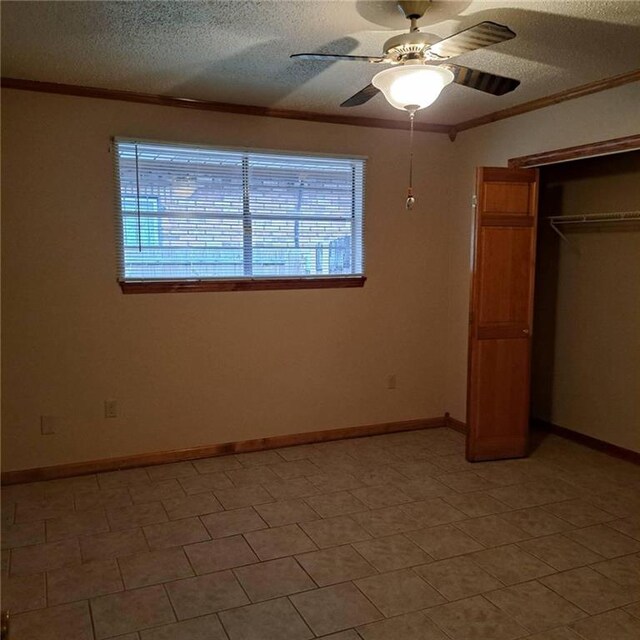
586	218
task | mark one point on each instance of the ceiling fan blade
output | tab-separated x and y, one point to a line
481	35
336	56
364	95
482	81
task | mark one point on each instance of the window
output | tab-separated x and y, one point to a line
206	218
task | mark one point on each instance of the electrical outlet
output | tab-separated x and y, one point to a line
391	381
49	425
110	409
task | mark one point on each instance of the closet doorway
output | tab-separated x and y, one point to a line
590	195
585	361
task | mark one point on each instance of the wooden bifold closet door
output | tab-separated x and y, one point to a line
504	240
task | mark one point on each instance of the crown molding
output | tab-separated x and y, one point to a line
554	98
207	105
357	121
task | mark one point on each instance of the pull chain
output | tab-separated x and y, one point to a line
410	198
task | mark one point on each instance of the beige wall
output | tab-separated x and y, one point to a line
194	369
601	116
586	351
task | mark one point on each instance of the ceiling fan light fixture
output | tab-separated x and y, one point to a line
412	87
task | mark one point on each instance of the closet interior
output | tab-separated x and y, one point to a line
585	373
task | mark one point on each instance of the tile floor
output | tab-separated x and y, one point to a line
392	537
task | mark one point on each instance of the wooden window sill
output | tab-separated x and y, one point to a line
240	284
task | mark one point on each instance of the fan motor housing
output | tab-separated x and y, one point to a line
410	46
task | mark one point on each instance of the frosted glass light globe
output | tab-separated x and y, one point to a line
412	87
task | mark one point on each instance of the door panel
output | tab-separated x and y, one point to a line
505	252
501	313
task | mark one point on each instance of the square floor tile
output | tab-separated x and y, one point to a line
55	506
511	565
238	497
259	458
155	491
444	542
155	567
328	483
629	526
216	465
340	503
392	552
106	498
205	483
424	488
295	469
457	578
386	521
23	593
230	523
198	504
113	545
95	578
476	505
55	623
22	534
44	557
252	476
431	513
338	564
376	497
287	489
615	624
136	516
624	571
171	470
579	513
410	626
219	554
534	494
399	592
123	478
560	552
589	590
465	481
286	512
536	521
279	542
266	621
193	597
605	541
332	532
492	531
535	606
273	579
475	618
335	608
76	524
121	613
175	533
204	628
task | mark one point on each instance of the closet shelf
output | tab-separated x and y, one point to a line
592	218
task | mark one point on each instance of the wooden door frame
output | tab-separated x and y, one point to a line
590	150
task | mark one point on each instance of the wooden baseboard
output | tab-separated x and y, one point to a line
209	451
587	441
456	425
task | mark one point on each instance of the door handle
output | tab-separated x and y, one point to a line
526	332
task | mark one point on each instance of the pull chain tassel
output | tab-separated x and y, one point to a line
410	197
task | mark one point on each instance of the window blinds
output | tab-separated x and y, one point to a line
197	213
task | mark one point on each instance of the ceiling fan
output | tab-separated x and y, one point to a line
421	67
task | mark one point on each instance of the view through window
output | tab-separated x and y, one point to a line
198	213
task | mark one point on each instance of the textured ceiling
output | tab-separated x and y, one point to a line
238	51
